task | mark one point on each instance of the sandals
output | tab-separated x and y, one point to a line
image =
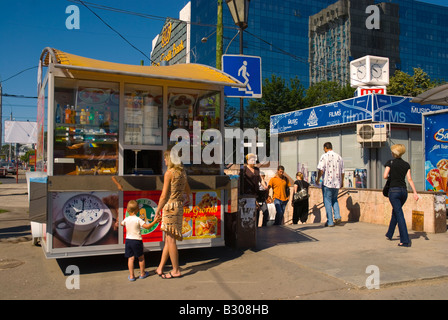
146	275
164	276
159	274
407	245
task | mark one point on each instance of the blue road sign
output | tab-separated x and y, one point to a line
246	69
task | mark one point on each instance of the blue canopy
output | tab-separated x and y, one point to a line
373	107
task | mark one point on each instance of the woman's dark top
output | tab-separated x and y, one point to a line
251	180
304	185
398	170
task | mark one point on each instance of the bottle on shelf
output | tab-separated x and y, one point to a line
100	118
92	116
72	114
57	117
67	114
96	118
217	122
82	118
78	114
180	121
190	117
175	121
107	117
170	121
186	121
87	116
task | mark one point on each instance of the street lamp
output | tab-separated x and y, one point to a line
240	12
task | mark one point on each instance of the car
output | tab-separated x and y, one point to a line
10	167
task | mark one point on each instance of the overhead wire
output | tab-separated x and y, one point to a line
118	33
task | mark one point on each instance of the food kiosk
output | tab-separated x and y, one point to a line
102	131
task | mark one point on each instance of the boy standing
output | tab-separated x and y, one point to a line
134	243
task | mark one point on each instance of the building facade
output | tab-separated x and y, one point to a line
292	43
341	33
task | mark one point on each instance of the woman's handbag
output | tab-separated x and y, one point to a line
302	194
386	188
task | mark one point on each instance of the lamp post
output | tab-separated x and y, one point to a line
239	9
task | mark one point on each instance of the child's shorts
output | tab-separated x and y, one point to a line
133	248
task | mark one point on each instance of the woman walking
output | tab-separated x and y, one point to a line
396	170
172	200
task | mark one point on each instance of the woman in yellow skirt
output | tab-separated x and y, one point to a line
172	200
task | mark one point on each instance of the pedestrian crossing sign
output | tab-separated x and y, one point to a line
246	69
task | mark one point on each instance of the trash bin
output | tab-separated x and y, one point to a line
417	220
240	227
246	223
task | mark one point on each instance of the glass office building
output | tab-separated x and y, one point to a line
279	32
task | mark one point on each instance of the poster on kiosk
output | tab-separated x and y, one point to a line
435	126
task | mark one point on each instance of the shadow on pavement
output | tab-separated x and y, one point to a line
191	261
15	232
274	235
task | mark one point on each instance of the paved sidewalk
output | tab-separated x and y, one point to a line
290	262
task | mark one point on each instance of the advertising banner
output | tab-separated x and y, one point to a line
202	219
436	151
395	109
147	203
335	113
84	218
375	107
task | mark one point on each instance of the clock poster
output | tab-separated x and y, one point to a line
147	203
84	218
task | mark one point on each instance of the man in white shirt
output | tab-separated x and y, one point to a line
331	169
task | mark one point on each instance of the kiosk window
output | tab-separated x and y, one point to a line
143	115
85	127
143	162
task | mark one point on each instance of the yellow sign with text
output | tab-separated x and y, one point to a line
175	50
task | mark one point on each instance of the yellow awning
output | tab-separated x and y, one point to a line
189	72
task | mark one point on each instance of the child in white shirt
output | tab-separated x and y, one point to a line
134	243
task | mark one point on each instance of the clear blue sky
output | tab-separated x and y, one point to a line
28	26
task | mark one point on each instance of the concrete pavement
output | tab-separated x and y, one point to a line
290	262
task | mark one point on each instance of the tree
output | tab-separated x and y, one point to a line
278	97
403	84
326	92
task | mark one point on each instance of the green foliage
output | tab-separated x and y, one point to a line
280	97
326	92
403	84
